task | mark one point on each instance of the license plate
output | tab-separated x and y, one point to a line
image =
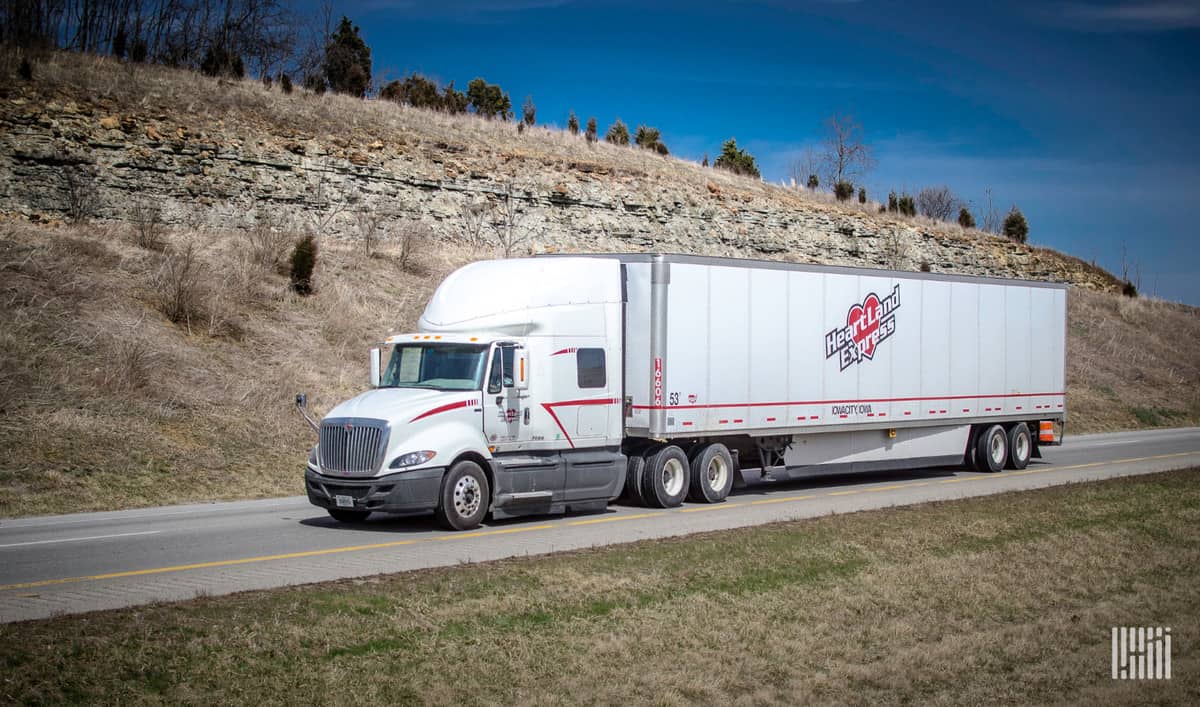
344	501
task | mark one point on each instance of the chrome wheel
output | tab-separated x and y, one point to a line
672	476
996	449
467	496
717	473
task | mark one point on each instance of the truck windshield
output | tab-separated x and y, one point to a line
436	366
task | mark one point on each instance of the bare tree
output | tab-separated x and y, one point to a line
146	215
844	154
472	217
413	236
807	165
371	230
508	225
938	203
991	217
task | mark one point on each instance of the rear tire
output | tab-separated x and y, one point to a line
666	478
465	497
712	474
991	450
1020	446
342	515
969	456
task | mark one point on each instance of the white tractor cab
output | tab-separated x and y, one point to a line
507	400
549	384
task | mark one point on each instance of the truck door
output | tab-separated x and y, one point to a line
507	419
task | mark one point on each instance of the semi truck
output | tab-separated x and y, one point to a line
559	383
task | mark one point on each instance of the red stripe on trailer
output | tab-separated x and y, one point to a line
737	420
941	412
814	417
843	416
687	423
770	419
571	350
722	422
966	409
908	412
828	402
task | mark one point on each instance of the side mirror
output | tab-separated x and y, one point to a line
375	360
302	406
521	369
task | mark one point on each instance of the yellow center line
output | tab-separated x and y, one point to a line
844	493
714	507
893	487
208	565
485	533
780	500
616	518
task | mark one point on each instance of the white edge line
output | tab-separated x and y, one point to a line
75	540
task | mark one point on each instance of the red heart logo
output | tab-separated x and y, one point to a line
863	321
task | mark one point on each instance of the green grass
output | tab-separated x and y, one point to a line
1000	599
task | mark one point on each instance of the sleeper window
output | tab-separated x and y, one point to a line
591	368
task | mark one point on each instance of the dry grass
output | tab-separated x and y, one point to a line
1131	363
105	403
1006	599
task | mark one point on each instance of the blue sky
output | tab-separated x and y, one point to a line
1081	113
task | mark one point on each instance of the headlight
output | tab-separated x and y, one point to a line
312	457
412	459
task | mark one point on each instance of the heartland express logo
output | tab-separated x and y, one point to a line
867	325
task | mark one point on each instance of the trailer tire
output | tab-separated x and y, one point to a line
712	474
633	479
1020	446
465	497
991	450
666	478
969	455
342	515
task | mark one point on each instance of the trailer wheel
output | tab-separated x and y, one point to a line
342	515
1020	446
633	479
465	497
712	474
666	478
991	451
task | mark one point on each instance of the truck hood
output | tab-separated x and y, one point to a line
403	405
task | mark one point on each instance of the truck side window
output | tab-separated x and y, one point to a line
495	375
501	375
591	368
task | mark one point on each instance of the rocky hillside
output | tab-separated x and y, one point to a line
222	154
143	363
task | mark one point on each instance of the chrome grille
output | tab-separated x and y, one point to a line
352	445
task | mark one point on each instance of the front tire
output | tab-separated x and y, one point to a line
712	474
464	498
1020	446
991	451
342	515
666	478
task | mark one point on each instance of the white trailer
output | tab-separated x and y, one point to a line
557	383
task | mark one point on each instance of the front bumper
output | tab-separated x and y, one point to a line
402	492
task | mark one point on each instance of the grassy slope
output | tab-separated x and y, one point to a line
1001	599
106	404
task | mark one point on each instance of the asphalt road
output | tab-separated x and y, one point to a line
75	563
